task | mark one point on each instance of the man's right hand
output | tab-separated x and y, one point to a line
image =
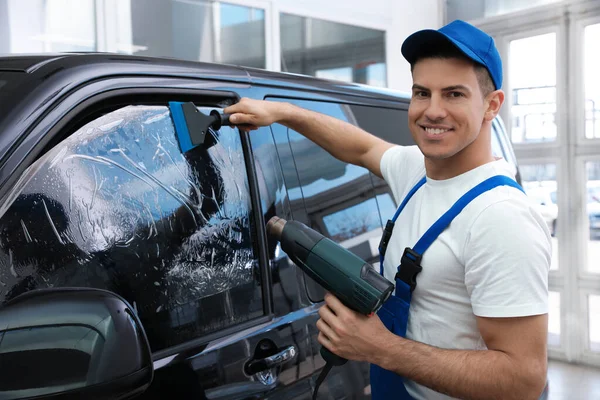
256	113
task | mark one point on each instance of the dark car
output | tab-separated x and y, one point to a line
130	269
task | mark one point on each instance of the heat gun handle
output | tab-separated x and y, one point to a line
331	358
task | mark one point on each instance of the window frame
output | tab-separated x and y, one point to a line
84	110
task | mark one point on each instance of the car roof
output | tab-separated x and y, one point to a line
105	64
30	84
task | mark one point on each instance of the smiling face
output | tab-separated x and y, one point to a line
449	116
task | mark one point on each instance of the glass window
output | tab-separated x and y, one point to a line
592	197
327	49
475	9
387	207
539	182
287	289
377	74
594	321
34	26
592	81
201	30
390	124
327	187
353	221
117	206
532	75
554	319
343	74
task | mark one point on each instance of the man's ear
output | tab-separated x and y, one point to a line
493	103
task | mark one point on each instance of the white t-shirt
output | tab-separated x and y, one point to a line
493	260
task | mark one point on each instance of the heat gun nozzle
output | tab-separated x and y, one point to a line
275	227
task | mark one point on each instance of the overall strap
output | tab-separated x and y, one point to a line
389	227
410	264
438	227
408	197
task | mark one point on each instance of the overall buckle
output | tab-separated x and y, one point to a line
410	266
385	238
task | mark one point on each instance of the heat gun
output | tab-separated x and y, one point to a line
349	278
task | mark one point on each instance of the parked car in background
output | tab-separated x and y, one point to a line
544	195
545	198
131	270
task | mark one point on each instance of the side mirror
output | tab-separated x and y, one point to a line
72	343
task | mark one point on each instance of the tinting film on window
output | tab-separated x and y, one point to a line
117	206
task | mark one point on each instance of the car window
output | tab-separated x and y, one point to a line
117	206
287	281
390	124
352	221
387	206
330	190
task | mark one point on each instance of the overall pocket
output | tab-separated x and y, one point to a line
394	315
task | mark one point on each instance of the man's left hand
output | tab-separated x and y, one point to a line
349	334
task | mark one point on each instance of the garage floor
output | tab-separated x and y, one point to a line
573	382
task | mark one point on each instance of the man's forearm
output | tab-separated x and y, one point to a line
341	139
464	374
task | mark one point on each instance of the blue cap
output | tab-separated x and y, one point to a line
473	42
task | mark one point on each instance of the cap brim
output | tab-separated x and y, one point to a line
414	44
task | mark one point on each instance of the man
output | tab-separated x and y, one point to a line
477	324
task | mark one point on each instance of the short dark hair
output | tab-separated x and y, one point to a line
443	50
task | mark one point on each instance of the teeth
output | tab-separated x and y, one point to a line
435	131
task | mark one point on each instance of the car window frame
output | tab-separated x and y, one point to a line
80	114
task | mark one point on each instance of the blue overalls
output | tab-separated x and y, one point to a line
386	385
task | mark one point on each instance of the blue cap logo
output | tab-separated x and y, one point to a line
471	41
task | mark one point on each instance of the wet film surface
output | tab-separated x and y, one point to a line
117	206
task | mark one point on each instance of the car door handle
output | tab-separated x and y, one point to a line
263	364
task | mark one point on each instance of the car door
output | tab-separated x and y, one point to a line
114	204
